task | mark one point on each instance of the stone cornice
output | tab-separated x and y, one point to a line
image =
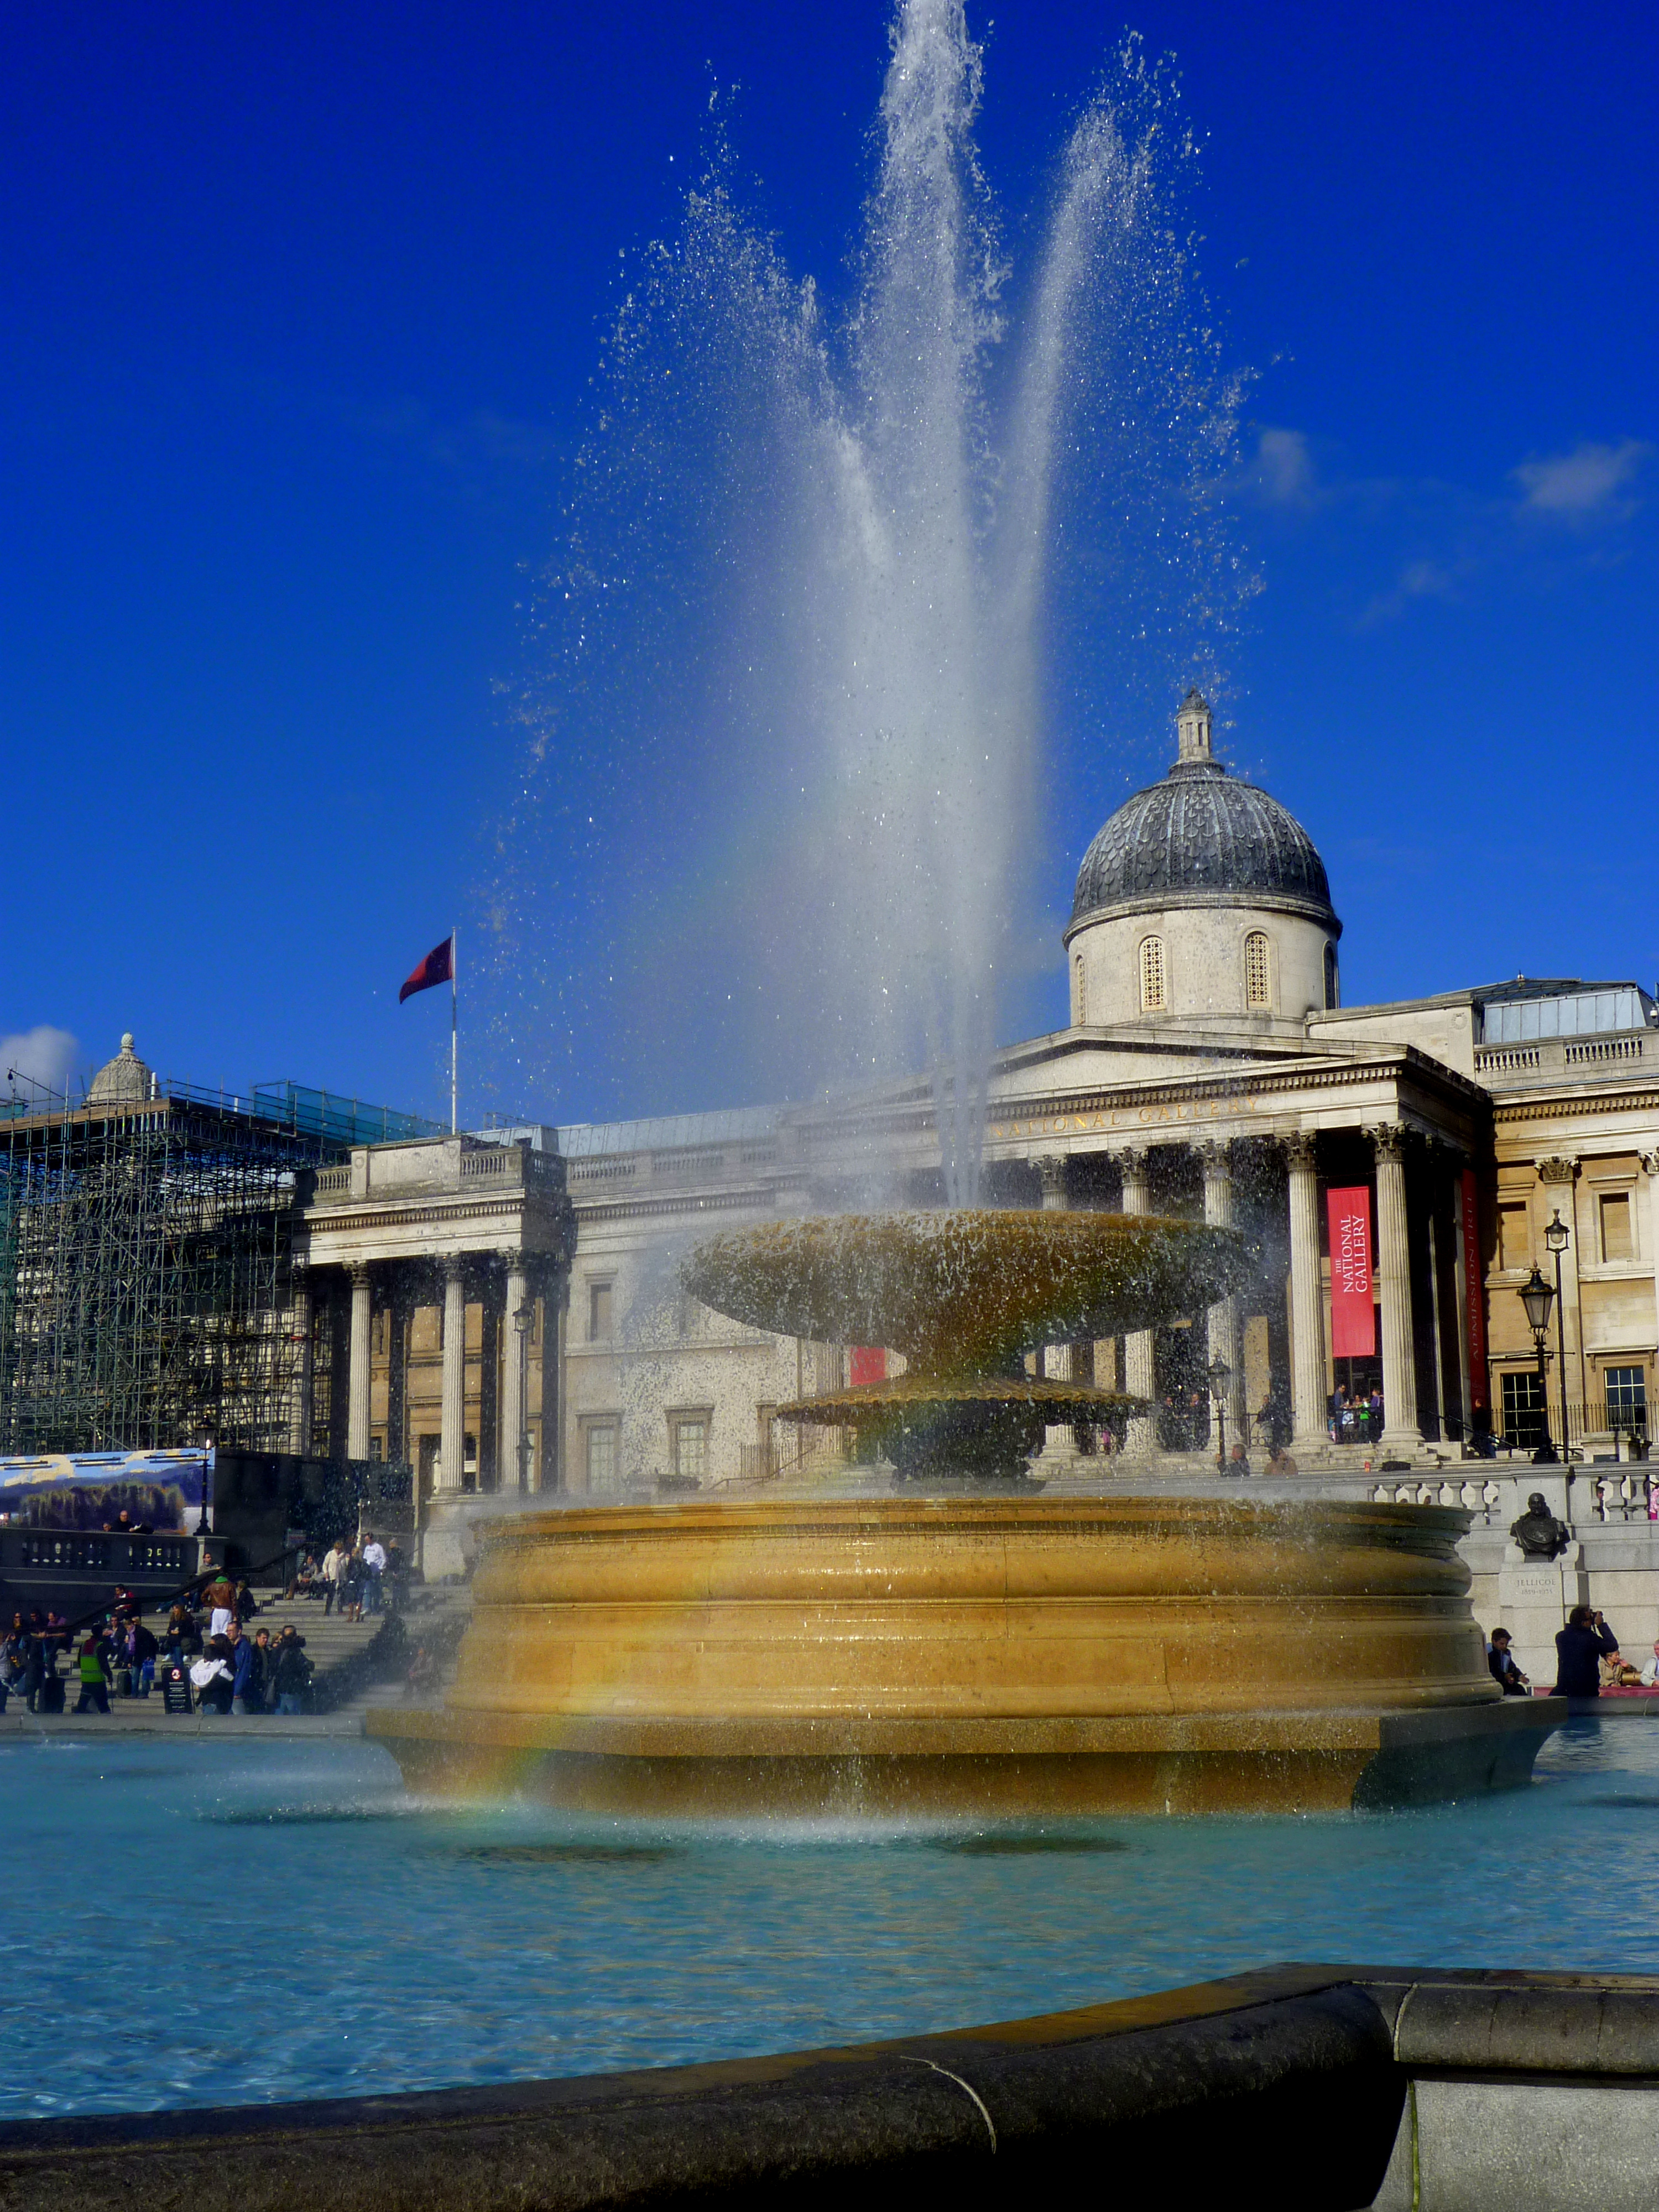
753	1199
340	1220
1012	1120
1171	902
1573	1102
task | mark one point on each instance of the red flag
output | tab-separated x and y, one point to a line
438	967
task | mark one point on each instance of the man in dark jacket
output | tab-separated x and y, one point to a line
248	1673
1580	1648
291	1671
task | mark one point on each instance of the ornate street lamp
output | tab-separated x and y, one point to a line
522	1320
1220	1376
1556	1239
1537	1297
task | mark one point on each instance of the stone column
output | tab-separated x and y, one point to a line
1462	1290
357	1401
552	1470
452	1438
1226	1340
1307	1298
1401	1436
397	1447
515	1472
1651	1165
1140	1363
1056	1362
303	1405
492	1466
1559	1176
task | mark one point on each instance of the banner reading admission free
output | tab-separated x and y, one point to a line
1354	1317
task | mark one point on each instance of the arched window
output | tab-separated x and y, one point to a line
1153	999
1258	985
1079	991
1332	995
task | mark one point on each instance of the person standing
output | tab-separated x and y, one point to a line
351	1582
334	1561
220	1599
1580	1648
142	1649
95	1672
373	1568
246	1674
291	1672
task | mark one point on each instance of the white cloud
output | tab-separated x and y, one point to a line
1422	580
1585	483
1283	471
43	1055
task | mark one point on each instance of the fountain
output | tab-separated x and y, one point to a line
858	520
958	1642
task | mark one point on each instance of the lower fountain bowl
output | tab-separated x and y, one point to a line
998	1656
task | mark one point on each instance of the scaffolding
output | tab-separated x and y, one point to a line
145	1261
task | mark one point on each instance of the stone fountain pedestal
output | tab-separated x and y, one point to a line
1003	1656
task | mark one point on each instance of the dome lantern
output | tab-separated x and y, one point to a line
123	1081
1192	729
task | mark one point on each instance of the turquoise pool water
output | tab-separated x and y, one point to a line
215	1924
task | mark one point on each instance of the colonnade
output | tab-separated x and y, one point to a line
507	1285
1390	1145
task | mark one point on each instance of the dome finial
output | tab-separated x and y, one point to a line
1193	728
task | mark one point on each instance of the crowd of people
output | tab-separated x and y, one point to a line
1588	1661
1354	1418
210	1656
354	1576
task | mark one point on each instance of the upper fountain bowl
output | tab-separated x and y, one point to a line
965	1291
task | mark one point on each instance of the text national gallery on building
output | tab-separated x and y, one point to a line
502	1309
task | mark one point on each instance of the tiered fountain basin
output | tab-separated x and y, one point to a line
999	1655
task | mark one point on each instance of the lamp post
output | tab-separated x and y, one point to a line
1538	1297
1220	1376
1556	1237
522	1320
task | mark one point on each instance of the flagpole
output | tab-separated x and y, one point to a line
454	1123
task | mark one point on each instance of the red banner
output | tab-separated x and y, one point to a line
1354	1317
866	1363
1474	1291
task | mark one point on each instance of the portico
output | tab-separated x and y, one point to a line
437	1244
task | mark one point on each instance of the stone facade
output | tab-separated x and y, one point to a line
1470	1118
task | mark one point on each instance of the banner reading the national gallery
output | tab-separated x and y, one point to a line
1354	1317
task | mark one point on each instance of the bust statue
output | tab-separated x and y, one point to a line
1538	1532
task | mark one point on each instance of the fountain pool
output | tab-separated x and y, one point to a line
264	1923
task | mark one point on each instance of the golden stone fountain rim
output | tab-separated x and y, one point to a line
1240	1517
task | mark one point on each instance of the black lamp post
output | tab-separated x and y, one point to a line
522	1320
1220	1376
1556	1237
1537	1297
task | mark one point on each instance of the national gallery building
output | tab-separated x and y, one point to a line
503	1309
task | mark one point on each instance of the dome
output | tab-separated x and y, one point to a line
1201	837
123	1081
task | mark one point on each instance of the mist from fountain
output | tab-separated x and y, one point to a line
807	561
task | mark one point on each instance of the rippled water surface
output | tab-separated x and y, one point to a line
207	1923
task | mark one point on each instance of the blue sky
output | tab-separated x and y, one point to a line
301	305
